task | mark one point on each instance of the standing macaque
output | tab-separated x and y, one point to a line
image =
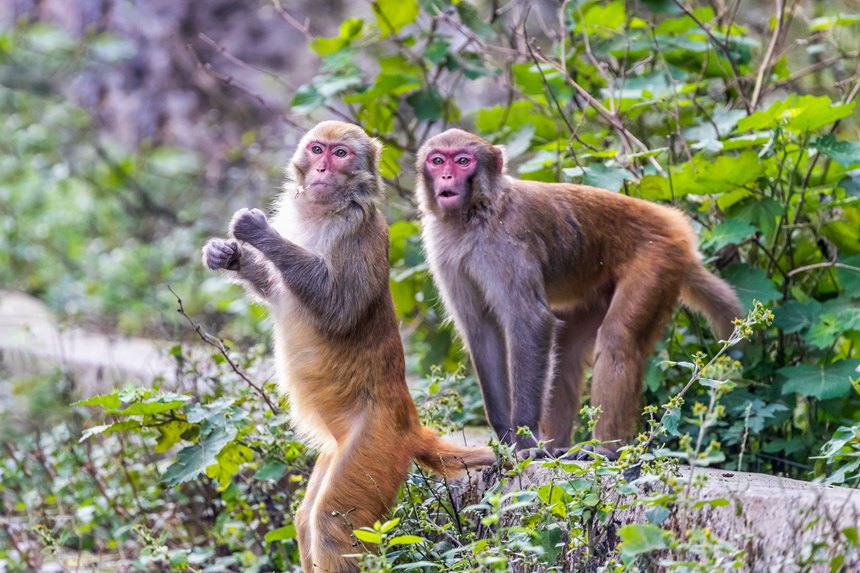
321	265
541	278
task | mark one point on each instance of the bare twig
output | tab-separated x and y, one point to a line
766	63
292	21
222	349
824	265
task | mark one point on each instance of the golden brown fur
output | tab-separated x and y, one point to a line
542	278
322	266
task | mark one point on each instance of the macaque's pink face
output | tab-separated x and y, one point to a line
450	172
330	165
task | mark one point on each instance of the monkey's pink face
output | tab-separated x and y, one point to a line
450	171
329	166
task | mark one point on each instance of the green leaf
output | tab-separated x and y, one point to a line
427	103
795	316
281	533
731	232
750	284
393	15
368	536
229	460
349	31
154	405
640	538
406	540
271	471
169	435
658	514
193	460
820	381
845	153
108	401
849	280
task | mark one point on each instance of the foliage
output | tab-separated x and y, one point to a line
752	131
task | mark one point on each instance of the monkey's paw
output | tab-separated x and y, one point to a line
249	225
222	254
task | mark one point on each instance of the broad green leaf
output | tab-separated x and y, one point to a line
849	280
110	428
368	536
820	381
762	214
427	103
169	434
795	316
750	284
281	533
271	471
107	401
639	538
229	460
393	15
193	460
657	514
731	232
151	406
845	153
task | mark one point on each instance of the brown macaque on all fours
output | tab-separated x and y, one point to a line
542	279
321	265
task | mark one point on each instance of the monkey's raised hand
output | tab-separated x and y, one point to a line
249	225
222	254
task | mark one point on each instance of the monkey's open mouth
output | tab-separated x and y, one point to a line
447	193
448	197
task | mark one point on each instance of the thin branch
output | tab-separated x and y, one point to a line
824	265
765	66
292	21
222	349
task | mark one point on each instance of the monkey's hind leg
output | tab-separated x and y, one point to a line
574	341
640	307
361	484
304	515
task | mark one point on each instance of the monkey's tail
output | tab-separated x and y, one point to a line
447	459
713	297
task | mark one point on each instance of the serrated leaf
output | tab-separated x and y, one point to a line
820	381
750	284
393	15
845	153
731	232
228	462
108	401
271	471
639	538
795	316
169	435
193	460
427	104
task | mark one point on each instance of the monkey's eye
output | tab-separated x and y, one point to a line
437	160
316	149
463	160
340	152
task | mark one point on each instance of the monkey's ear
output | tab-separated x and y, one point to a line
501	161
377	149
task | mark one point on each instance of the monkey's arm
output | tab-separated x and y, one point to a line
529	329
485	343
337	292
244	264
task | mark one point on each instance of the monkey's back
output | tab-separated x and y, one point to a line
594	235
